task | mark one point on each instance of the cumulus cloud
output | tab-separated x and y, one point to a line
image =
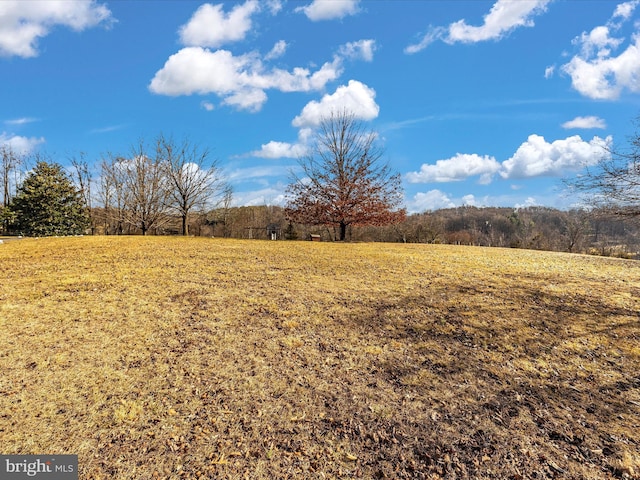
274	6
529	202
536	157
470	200
585	122
355	97
329	9
210	26
360	50
250	99
596	71
18	144
270	195
504	17
199	70
275	149
241	80
22	22
457	168
431	200
625	10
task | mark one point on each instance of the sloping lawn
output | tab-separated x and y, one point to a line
164	357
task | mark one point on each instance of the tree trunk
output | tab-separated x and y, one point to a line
185	226
343	231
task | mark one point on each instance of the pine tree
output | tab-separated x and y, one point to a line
49	204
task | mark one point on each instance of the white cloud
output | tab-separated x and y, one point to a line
208	106
20	145
275	149
604	77
470	200
107	129
361	50
549	71
598	42
20	121
274	6
329	9
504	17
536	157
23	22
198	70
277	51
585	122
529	202
355	97
241	79
625	9
459	167
252	173
250	99
433	34
596	72
210	26
266	196
428	201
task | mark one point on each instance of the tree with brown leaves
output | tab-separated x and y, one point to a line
343	180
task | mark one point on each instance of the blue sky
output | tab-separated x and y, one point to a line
485	103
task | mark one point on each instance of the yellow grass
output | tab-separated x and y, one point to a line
201	358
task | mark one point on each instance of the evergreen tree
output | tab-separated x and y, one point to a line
49	204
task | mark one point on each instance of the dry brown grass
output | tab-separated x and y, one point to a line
198	358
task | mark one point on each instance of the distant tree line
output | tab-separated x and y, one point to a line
141	192
539	228
345	193
579	231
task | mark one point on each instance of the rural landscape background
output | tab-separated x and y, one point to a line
467	307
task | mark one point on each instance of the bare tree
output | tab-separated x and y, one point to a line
343	180
575	229
83	177
194	180
223	212
612	186
113	193
9	164
146	190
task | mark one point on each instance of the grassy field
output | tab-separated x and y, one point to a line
202	358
